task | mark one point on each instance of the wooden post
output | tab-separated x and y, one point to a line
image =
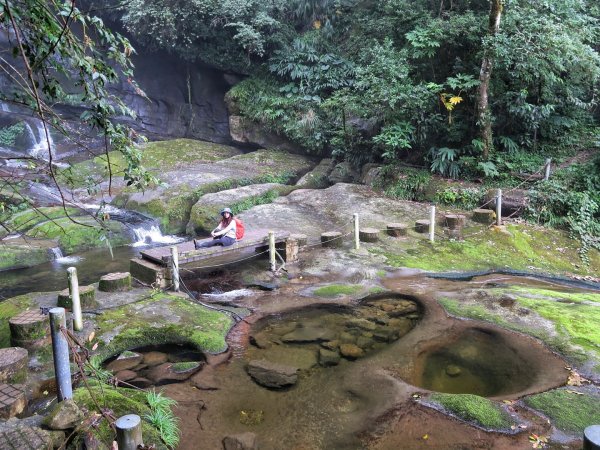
60	351
272	250
547	174
499	207
591	438
175	267
356	233
129	432
75	300
432	224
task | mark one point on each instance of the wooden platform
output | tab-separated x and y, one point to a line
187	253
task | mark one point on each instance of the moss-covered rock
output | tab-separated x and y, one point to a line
121	402
333	290
162	319
565	321
472	408
205	213
16	255
570	410
519	247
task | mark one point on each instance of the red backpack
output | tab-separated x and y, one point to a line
239	228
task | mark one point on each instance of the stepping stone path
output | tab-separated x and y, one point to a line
331	239
397	229
485	216
13	365
115	282
30	329
368	234
12	400
87	298
422	226
454	221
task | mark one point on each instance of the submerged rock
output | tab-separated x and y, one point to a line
243	441
271	374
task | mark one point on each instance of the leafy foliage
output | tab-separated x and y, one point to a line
9	135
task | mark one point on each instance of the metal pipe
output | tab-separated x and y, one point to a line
129	432
60	351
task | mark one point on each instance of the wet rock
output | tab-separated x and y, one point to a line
347	338
205	379
384	334
243	441
271	374
402	326
308	334
126	360
523	311
126	375
155	358
362	324
141	382
403	308
364	342
167	373
507	301
260	340
328	358
453	370
65	415
215	360
351	351
331	345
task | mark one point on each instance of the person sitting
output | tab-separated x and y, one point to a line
224	234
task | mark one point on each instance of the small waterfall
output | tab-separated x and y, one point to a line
40	149
56	253
145	235
4	107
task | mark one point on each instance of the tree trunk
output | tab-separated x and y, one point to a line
483	108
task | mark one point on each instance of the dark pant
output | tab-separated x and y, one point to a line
225	241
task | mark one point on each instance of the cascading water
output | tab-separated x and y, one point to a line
56	253
43	146
152	235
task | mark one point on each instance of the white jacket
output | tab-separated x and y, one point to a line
229	230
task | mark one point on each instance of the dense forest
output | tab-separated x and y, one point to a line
473	90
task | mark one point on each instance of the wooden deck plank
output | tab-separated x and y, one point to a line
187	252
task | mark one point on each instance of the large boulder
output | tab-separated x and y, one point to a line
271	374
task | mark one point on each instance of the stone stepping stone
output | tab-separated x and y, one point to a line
126	360
397	229
115	282
12	400
87	298
368	234
13	365
300	238
331	239
271	374
30	330
485	216
422	226
351	351
454	221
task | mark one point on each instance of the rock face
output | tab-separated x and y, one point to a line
244	131
272	375
242	441
65	415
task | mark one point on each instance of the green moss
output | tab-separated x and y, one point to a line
473	408
574	297
184	366
182	322
8	309
337	289
121	402
14	256
29	218
81	235
568	411
523	247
